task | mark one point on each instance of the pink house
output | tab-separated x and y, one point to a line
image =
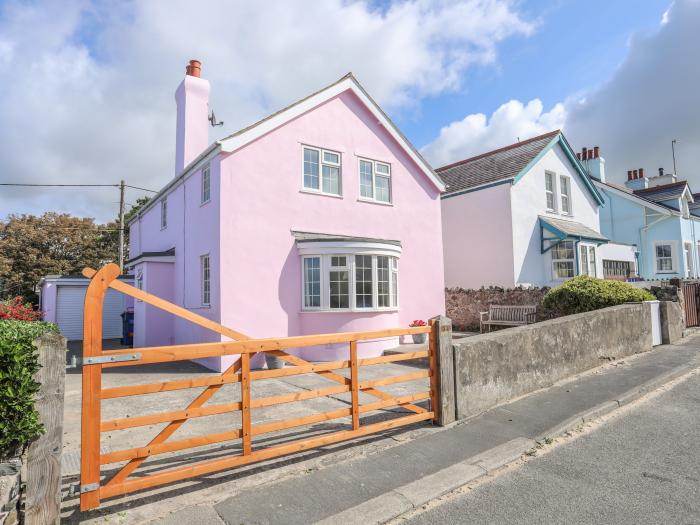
321	217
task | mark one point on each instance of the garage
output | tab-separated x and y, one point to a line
61	301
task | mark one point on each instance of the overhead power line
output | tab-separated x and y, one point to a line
31	185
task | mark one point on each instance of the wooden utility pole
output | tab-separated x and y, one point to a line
121	226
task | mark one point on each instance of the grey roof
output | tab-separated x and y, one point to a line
500	164
165	253
573	229
665	192
328	237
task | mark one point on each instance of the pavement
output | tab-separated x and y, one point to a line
378	478
641	466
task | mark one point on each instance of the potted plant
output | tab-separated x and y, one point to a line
418	339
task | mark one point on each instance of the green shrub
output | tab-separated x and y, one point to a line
19	420
583	294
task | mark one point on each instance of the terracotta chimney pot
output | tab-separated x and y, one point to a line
636	174
629	174
641	173
194	68
596	152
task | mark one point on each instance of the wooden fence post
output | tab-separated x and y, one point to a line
444	358
43	484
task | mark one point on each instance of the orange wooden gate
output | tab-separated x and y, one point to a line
93	488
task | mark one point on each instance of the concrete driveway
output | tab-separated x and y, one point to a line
179	399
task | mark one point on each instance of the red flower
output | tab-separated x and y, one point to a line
16	309
417	322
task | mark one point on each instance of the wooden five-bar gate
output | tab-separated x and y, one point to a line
93	488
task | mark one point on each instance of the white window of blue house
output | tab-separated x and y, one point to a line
164	214
206	184
563	260
565	188
321	171
550	190
351	282
375	181
205	273
664	253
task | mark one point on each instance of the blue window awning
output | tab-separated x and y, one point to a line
553	231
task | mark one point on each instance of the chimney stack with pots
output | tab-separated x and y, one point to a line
192	127
636	180
592	162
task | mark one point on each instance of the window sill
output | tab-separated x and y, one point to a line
204	203
372	201
321	194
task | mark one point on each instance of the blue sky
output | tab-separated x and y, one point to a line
89	83
576	47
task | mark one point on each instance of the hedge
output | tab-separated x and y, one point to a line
19	420
583	294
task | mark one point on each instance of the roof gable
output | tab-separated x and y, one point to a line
268	124
509	164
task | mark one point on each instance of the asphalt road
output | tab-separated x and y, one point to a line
640	467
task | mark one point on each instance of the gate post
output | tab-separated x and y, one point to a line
442	356
92	384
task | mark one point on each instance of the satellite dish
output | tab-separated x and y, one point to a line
212	120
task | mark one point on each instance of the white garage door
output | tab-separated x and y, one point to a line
69	312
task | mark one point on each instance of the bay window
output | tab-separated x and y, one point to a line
563	260
321	170
587	260
375	181
350	282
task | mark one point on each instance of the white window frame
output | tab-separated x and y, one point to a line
688	258
326	268
139	281
375	176
205	278
553	191
303	283
565	181
591	258
556	277
205	195
164	213
673	257
322	162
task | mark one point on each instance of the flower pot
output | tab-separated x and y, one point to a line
273	362
419	339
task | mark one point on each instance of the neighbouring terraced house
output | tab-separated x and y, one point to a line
528	214
659	214
321	217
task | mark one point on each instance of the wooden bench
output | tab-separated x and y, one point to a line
507	315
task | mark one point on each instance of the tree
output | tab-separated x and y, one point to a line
32	247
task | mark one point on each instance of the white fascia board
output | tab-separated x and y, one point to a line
634	198
348	247
238	141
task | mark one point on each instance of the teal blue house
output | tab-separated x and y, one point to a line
658	214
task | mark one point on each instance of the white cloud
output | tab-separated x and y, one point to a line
651	99
478	134
88	87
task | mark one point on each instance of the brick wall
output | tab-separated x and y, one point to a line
463	306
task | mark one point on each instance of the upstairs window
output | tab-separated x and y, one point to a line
375	181
565	184
206	184
550	189
322	171
164	214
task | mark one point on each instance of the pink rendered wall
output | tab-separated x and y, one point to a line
478	239
193	230
152	326
261	203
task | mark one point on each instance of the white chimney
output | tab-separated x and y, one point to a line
192	130
593	162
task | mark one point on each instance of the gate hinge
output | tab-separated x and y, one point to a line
102	359
90	487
